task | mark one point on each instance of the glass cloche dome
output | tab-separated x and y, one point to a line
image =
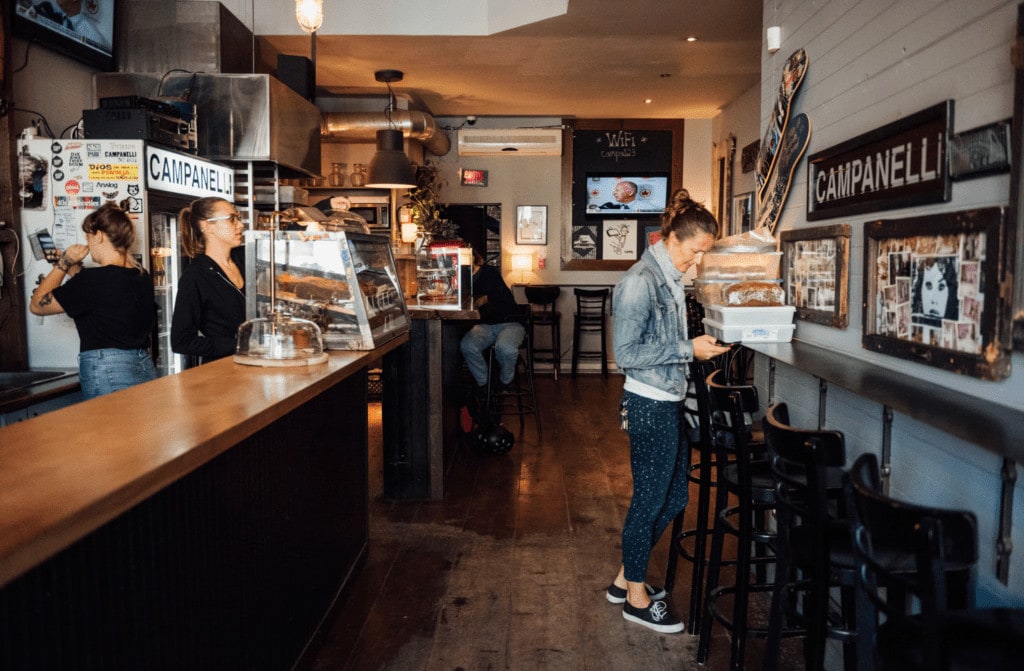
279	340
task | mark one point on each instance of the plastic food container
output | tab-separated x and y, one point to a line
739	266
750	333
750	316
712	291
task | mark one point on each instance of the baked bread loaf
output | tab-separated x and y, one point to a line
754	294
322	289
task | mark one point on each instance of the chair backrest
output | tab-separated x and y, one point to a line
908	549
544	296
590	303
697	404
731	406
802	461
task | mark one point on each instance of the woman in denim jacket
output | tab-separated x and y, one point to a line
652	348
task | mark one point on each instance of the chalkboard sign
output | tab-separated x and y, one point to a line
623	174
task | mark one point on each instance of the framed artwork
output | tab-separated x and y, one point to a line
532	225
584	242
980	151
474	177
742	212
652	235
620	237
816	272
931	291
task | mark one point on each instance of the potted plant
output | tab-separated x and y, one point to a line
425	205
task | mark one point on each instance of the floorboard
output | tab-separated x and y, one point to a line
509	570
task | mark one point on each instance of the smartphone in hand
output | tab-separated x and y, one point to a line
43	246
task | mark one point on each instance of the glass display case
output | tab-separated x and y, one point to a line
444	276
344	282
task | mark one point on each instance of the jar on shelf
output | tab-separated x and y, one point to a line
338	176
358	176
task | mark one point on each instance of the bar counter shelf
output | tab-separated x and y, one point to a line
204	520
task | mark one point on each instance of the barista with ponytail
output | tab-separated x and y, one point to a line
111	303
652	349
210	305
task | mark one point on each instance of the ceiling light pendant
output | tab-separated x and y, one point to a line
309	14
390	168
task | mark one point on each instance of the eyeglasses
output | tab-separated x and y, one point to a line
233	219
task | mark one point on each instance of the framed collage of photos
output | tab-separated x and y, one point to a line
815	273
931	291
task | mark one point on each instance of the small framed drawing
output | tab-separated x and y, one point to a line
932	291
816	272
532	225
742	212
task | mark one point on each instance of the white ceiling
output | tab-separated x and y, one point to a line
601	59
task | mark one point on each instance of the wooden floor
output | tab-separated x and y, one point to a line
509	570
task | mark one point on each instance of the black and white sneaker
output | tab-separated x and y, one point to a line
618	594
655	616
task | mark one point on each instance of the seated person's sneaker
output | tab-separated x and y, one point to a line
655	616
618	594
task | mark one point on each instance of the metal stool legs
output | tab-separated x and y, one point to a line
525	403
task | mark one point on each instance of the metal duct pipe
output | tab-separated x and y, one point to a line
363	126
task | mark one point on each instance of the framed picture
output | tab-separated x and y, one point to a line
816	272
532	225
652	235
620	237
980	151
742	212
931	291
474	178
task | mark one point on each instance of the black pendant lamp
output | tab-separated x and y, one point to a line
390	168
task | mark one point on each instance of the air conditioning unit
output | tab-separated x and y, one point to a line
510	142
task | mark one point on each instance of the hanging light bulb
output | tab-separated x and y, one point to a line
309	14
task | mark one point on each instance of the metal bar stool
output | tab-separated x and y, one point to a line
590	319
519	399
543	313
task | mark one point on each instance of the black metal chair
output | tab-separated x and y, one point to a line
814	552
544	314
904	549
590	319
741	472
521	399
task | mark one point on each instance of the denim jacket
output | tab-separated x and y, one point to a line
648	344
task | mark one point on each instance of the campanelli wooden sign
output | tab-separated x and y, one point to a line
898	165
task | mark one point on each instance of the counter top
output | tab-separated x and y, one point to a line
976	420
23	397
65	473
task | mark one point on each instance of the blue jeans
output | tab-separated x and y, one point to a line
102	371
659	458
504	337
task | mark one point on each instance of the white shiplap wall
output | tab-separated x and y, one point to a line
870	63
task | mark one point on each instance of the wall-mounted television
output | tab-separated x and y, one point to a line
626	194
81	29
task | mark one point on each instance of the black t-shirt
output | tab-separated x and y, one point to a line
113	307
501	305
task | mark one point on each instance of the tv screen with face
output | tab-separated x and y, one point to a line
81	29
626	195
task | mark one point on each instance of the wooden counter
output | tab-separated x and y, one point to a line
215	508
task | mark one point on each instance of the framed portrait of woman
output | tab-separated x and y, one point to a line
931	291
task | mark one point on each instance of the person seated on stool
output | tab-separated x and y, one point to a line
498	327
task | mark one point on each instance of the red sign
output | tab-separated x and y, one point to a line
72	187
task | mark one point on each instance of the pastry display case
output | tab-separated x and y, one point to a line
344	282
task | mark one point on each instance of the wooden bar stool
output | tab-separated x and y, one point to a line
930	554
814	551
590	319
544	314
741	472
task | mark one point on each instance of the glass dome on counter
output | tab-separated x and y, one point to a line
279	340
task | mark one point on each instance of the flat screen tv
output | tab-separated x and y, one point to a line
626	195
81	29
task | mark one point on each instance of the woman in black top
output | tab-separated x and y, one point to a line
112	304
210	303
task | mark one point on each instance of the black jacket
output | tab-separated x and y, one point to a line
208	310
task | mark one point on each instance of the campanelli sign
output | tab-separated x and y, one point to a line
898	165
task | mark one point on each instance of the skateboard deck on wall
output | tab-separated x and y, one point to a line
791	149
792	76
